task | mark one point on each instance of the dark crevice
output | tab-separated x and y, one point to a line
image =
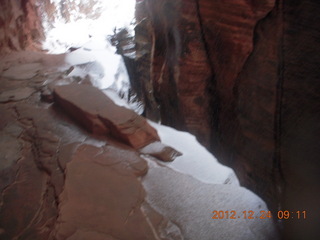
164	61
277	172
203	38
211	86
276	189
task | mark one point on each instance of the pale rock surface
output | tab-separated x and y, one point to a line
16	94
22	71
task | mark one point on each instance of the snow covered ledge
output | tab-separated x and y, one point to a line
190	189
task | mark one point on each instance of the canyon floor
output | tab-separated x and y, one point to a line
69	170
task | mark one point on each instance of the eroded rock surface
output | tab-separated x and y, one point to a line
97	180
60	182
57	179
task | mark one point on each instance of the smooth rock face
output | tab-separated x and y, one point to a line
246	77
99	114
199	48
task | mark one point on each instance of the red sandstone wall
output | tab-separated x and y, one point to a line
247	82
20	26
241	75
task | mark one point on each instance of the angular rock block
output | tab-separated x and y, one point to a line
97	113
161	151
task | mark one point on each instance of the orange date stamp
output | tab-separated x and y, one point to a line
259	215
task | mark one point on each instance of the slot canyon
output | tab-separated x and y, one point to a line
159	119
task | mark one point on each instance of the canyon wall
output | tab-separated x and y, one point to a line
243	77
20	26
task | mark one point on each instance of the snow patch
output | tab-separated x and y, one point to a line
189	203
104	18
196	160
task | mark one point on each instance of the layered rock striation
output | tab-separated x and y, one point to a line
242	73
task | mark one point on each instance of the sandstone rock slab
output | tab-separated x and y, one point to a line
96	183
95	111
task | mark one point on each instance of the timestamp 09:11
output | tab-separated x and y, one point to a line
258	215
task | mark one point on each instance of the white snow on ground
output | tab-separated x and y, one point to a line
107	69
89	32
61	35
189	204
96	59
194	185
135	106
195	160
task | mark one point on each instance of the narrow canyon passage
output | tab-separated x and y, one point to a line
151	119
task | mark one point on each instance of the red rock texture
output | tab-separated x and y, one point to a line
20	24
84	207
199	48
60	182
246	77
241	75
99	114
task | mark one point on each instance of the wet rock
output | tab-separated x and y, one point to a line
94	110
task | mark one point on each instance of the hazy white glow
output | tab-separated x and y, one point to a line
114	15
95	57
